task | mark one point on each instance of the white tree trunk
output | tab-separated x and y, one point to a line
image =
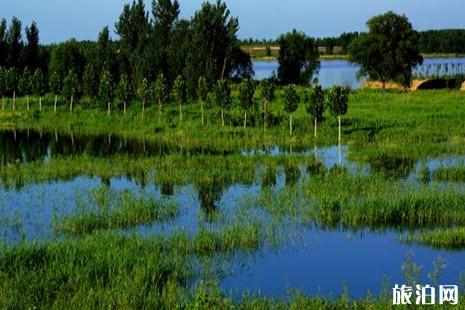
124	107
315	126
108	108
71	104
27	102
180	111
340	134
290	124
40	104
245	120
55	104
222	116
14	100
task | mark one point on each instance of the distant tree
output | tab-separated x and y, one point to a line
123	91
202	94
55	86
143	93
314	100
222	97
25	85
180	93
338	103
246	93
31	50
71	88
161	93
11	83
298	58
66	57
388	51
291	102
267	90
91	80
106	90
3	43
39	85
15	44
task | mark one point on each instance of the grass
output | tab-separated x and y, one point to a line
452	174
118	210
448	238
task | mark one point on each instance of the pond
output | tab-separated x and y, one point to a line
316	260
342	72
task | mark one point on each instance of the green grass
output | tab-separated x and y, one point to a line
449	238
118	210
453	174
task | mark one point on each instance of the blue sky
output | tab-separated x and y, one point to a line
59	20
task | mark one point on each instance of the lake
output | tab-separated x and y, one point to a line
342	72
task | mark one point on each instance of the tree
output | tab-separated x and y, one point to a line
298	58
3	43
338	103
71	88
55	85
246	93
161	93
388	51
91	80
180	92
143	93
3	87
67	57
11	83
106	90
267	90
202	94
123	91
222	97
291	102
25	85
314	100
39	85
14	43
31	50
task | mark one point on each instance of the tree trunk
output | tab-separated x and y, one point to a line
315	126
201	111
14	100
143	108
108	108
160	107
55	104
245	120
124	107
340	134
27	102
71	104
290	124
40	104
222	116
180	111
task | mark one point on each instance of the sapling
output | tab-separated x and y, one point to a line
291	102
246	93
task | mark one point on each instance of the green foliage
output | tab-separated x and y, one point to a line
143	91
67	57
91	80
71	85
246	94
11	80
202	89
180	90
388	51
55	83
25	82
160	89
268	90
123	90
39	85
3	88
222	94
298	58
314	100
291	99
106	91
338	100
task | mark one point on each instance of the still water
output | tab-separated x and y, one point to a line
342	72
316	262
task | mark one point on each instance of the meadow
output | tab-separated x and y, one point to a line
141	213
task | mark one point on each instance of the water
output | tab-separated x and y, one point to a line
316	261
342	72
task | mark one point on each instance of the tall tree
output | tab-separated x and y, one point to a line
202	94
388	51
91	79
66	57
338	103
267	90
3	87
123	91
180	93
55	86
11	83
291	102
71	88
161	93
298	58
31	50
25	85
39	85
143	93
222	97
314	100
3	43
106	91
246	94
15	44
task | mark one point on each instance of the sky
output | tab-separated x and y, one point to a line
59	20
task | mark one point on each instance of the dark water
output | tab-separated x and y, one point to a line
316	262
342	72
